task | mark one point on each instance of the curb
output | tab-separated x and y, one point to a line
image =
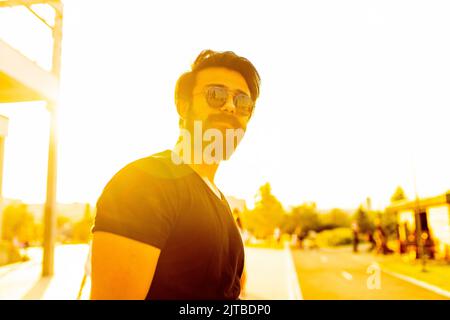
419	283
295	292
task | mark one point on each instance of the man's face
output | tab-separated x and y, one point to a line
224	118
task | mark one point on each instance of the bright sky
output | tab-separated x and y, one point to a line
355	95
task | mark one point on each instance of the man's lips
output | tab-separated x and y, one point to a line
223	120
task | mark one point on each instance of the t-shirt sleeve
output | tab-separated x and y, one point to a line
139	205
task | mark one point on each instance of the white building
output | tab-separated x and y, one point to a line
432	216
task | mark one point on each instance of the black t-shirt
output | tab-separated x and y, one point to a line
169	206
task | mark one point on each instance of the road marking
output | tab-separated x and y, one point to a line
347	275
324	259
419	283
292	279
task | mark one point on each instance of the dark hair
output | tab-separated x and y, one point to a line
209	59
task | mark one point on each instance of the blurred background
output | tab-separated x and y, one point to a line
341	185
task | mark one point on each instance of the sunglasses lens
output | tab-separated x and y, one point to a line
216	96
244	104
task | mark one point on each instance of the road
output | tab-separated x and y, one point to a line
340	274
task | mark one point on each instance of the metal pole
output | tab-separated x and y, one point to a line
3	134
50	204
422	255
2	148
419	240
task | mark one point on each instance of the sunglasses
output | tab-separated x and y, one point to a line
217	96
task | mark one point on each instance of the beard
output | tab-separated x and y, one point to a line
214	121
220	135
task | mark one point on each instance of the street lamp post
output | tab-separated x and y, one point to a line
3	134
50	205
419	240
419	236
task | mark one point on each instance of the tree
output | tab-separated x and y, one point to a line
305	217
18	222
335	218
82	229
64	228
389	223
365	222
399	194
267	215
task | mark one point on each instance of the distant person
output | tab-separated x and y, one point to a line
355	231
238	218
372	241
381	239
299	234
277	235
16	243
163	229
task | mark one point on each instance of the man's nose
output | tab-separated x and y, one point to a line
229	106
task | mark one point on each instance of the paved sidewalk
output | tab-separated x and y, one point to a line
24	281
271	275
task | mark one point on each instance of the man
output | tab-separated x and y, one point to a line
163	230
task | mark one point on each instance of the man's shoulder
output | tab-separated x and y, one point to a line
159	165
157	172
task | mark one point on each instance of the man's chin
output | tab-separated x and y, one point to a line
219	156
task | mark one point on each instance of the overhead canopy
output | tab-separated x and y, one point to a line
421	204
23	80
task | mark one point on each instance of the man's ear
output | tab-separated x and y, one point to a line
182	96
182	108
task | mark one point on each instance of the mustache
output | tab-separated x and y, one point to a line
226	118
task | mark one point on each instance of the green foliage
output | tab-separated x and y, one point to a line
334	237
19	223
365	222
64	229
398	195
267	215
82	229
389	223
9	253
335	218
62	221
305	217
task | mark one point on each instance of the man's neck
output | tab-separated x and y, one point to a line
204	170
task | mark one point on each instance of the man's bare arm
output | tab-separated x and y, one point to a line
122	268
